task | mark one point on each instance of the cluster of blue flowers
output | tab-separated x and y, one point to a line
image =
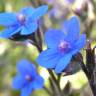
61	45
24	23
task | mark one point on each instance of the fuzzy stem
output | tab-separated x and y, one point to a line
57	86
90	79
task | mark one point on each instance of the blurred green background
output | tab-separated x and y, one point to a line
11	52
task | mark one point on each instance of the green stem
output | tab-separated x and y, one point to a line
48	91
55	83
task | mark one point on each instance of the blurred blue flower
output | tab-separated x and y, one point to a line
25	21
62	45
53	12
49	1
70	1
27	78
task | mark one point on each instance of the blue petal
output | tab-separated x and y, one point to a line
63	63
48	58
8	32
39	12
29	28
25	67
38	82
72	29
26	91
27	11
18	82
81	42
53	37
7	19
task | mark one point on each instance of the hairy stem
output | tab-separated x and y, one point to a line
90	79
55	81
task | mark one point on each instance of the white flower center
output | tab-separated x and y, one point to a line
28	78
64	46
21	18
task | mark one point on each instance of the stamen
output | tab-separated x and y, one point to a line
28	77
21	18
64	46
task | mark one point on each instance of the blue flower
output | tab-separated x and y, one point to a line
24	22
62	45
27	78
70	1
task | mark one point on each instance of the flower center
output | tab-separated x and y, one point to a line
28	78
21	18
64	46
